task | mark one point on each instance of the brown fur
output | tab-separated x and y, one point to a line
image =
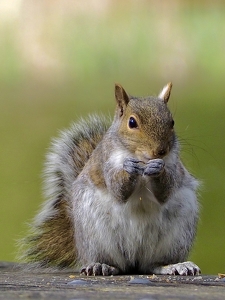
55	241
97	177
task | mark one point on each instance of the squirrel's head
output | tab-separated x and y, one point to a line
146	125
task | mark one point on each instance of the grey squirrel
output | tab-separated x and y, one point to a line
119	199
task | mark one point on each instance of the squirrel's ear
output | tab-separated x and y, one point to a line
165	93
122	98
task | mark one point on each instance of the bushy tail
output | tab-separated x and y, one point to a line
50	242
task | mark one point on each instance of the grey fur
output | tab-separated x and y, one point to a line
125	204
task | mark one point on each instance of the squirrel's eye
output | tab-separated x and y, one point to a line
133	123
172	123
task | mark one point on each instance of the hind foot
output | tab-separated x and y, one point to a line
184	269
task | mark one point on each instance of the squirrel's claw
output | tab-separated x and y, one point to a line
97	269
154	167
183	269
133	166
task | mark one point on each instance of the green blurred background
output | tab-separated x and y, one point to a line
59	60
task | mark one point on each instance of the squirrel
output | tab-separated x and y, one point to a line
119	199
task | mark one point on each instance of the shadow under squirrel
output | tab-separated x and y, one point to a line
119	200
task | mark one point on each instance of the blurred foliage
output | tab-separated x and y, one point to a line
60	61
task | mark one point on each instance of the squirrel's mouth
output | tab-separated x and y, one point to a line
142	157
146	157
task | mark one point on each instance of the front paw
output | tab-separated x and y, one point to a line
184	269
133	166
97	269
154	167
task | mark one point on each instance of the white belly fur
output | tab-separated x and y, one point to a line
139	230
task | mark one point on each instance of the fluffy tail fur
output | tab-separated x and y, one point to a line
50	242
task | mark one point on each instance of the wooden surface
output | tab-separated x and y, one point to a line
15	283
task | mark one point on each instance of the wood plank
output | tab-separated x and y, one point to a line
16	283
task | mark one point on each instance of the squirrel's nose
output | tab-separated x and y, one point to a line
162	152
